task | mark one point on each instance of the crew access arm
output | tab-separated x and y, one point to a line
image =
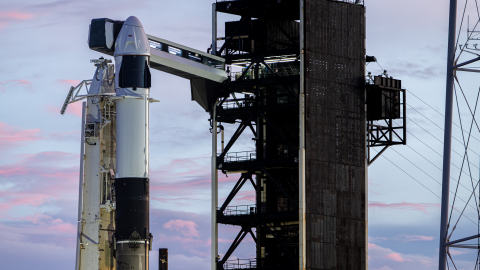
205	71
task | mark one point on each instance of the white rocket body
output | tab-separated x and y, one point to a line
132	86
132	112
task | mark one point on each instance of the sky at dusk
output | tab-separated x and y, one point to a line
44	51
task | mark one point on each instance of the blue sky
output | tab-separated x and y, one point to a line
44	52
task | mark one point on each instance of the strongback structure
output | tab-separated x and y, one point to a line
300	94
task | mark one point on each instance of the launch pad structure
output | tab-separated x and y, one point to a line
291	74
304	103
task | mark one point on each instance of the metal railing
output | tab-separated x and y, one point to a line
240	210
238	103
240	156
356	2
266	73
240	264
186	54
279	207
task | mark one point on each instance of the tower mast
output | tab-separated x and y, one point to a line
447	145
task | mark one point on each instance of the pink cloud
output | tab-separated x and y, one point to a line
41	173
51	185
37	218
8	17
26	84
45	224
21	198
69	82
14	15
40	164
73	109
403	205
189	174
412	238
395	257
61	226
386	258
9	171
222	240
13	136
247	196
185	227
197	247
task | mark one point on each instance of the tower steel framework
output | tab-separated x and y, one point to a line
300	92
457	64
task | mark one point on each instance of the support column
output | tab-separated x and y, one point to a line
447	145
301	155
214	189
214	29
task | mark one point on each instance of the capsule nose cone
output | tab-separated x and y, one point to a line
133	21
132	39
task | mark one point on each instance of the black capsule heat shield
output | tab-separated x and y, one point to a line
132	207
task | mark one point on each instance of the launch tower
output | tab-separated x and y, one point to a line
300	84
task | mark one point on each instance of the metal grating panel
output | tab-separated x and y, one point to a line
335	135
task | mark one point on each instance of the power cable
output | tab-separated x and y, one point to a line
439	167
454	179
427	174
453	164
439	139
430	120
420	183
437	111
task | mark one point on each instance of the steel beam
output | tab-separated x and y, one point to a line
214	29
466	63
462	240
302	239
234	192
270	177
234	138
447	141
243	232
214	229
227	40
466	246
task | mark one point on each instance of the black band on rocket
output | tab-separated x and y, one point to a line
132	211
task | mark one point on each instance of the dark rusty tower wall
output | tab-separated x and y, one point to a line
335	135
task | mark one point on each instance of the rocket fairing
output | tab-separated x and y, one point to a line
132	87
